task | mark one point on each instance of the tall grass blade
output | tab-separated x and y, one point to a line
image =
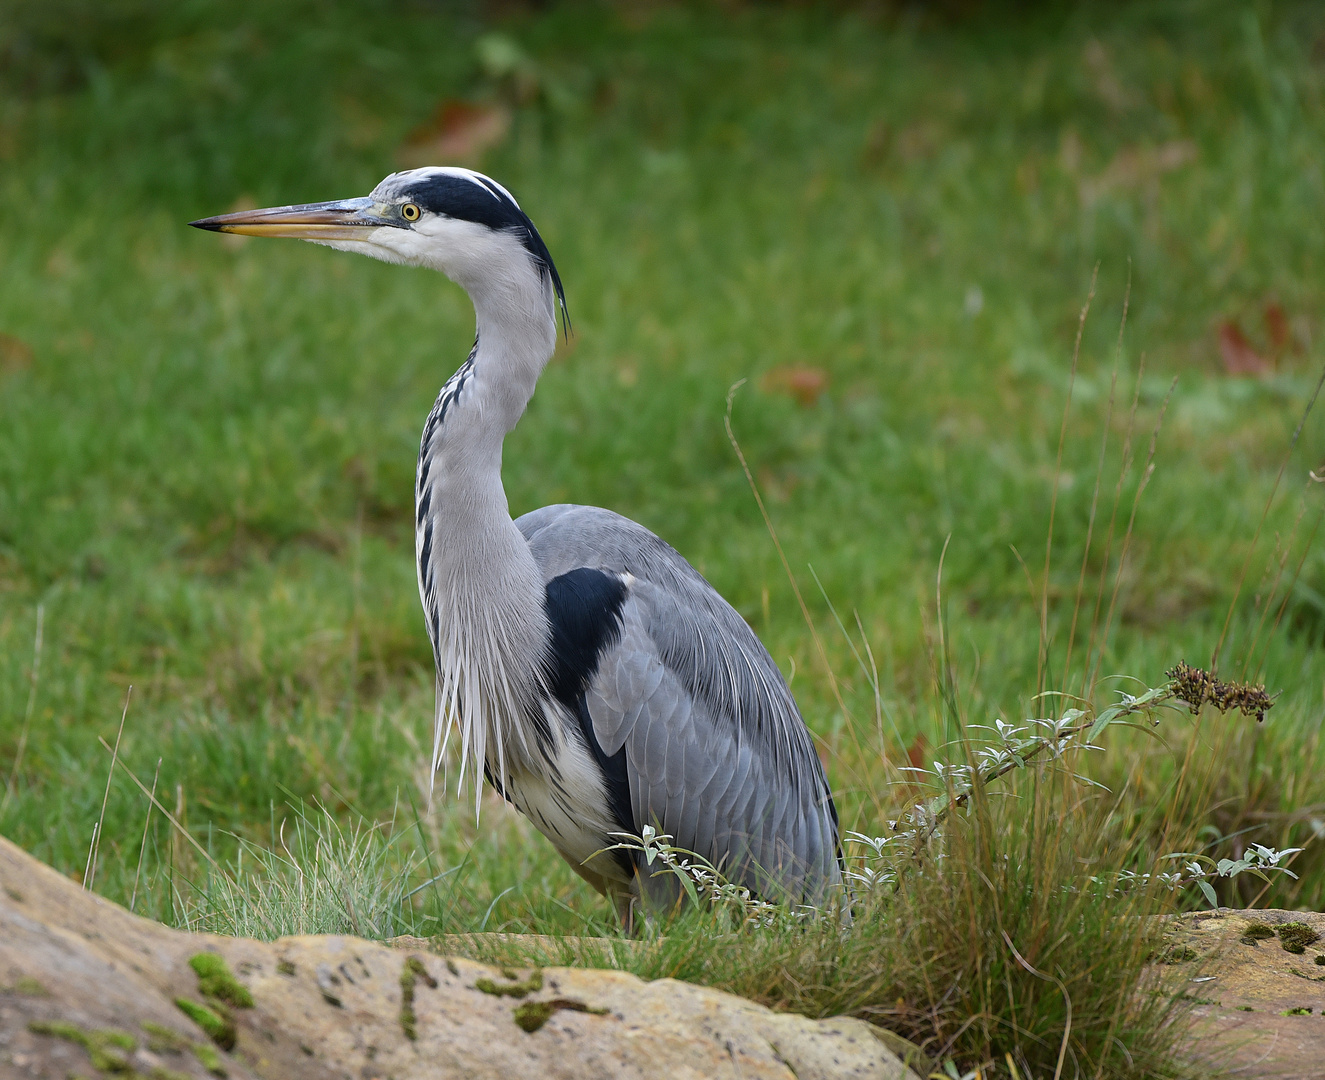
1042	661
89	875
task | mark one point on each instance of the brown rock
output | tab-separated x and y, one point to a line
1254	999
81	977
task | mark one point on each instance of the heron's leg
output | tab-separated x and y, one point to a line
625	903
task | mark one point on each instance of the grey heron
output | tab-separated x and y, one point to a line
596	679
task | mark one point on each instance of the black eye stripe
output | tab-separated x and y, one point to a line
463	199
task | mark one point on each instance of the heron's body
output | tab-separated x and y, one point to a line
597	679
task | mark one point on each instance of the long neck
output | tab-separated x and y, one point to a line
482	592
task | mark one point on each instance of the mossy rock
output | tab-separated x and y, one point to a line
1296	936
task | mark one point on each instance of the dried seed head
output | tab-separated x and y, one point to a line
1198	687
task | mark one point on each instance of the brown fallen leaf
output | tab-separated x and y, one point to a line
1276	325
805	384
458	132
1239	355
15	354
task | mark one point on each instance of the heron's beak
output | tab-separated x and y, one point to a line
345	219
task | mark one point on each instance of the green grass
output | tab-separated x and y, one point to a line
206	449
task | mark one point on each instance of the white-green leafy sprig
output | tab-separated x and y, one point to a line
704	885
883	858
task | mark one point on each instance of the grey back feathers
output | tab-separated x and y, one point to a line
715	751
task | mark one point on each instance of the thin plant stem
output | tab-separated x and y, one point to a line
947	691
1043	659
1090	535
782	555
1124	468
1307	548
1099	475
34	681
151	797
89	875
1146	474
1283	548
1265	513
879	708
1067	1002
832	610
142	848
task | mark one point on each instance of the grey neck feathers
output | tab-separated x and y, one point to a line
482	592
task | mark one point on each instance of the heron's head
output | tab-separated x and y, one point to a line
450	219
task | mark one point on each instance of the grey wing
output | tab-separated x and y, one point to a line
716	753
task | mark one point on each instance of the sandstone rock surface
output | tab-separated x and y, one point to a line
87	989
1255	1001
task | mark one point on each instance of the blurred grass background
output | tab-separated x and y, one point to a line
885	218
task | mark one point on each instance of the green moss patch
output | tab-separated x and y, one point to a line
411	973
532	1015
215	980
1296	936
215	1020
107	1049
1300	1011
208	1058
515	989
1256	932
1178	954
162	1040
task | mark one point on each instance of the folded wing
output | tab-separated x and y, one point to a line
715	751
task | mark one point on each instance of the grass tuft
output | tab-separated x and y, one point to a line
328	878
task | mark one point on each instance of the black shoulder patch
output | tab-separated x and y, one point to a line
584	608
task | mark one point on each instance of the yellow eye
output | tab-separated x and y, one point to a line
410	212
